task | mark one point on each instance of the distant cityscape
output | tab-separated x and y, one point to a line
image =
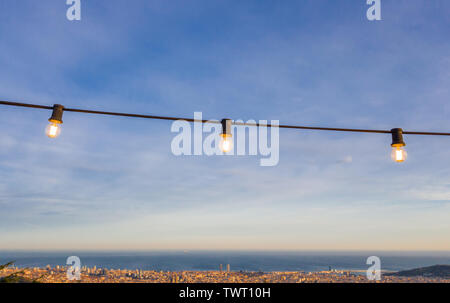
58	274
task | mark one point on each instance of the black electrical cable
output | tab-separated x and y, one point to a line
85	111
25	105
316	128
218	122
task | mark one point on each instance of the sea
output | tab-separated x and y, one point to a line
267	261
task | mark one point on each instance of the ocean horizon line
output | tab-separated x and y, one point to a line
257	251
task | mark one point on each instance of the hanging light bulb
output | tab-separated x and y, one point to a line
226	143
54	128
398	154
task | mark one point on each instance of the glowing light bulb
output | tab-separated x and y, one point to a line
398	154
226	144
53	130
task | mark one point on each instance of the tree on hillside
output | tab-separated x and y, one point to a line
16	277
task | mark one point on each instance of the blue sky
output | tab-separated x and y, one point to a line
113	183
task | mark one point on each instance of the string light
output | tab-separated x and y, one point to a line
398	153
226	144
54	128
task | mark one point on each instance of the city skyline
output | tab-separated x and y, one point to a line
113	183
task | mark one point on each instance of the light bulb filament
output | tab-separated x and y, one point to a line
398	155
